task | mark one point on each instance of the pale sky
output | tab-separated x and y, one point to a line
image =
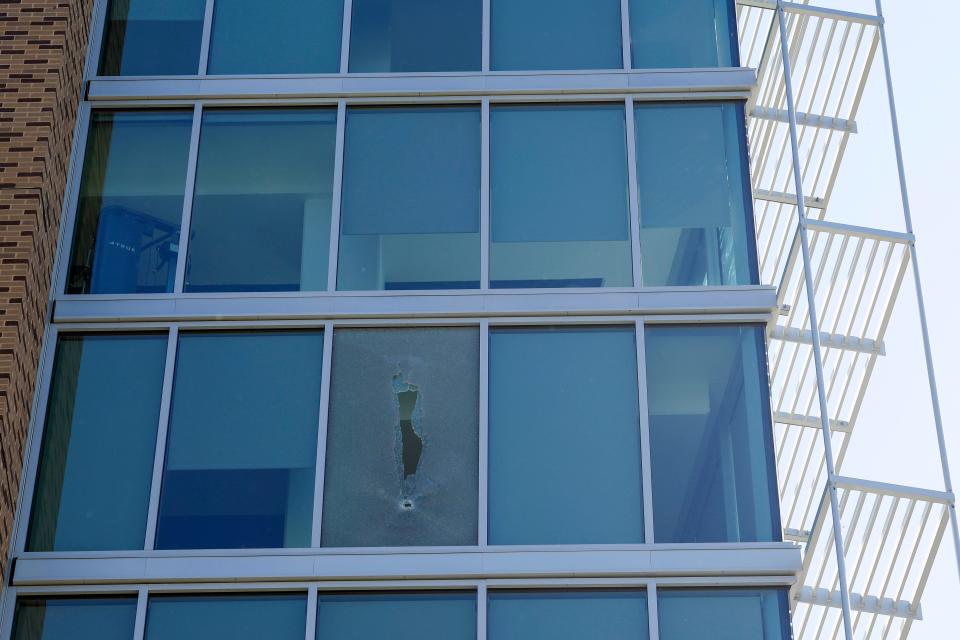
894	439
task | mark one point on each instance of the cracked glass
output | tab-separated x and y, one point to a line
402	438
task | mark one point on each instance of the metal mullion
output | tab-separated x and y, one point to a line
653	618
625	33
337	196
38	412
95	43
481	611
205	38
485	38
485	194
345	37
484	437
646	470
7	608
70	200
311	626
323	418
192	161
161	443
140	622
634	193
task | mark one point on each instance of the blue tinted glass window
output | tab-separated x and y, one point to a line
96	462
564	442
241	617
555	34
398	616
242	441
262	201
723	614
710	434
567	615
696	212
558	197
152	38
683	33
110	618
293	36
411	199
415	35
402	439
130	202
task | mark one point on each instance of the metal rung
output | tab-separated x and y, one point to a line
805	119
830	340
822	12
788	198
813	422
796	535
894	490
858	602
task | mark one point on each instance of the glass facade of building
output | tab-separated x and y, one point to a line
409	360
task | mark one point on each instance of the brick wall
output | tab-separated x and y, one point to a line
42	48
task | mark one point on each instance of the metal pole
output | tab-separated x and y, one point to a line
815	330
931	376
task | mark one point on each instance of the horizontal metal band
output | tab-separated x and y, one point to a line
780	559
455	304
686	83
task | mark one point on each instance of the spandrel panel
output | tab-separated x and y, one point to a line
564	437
127	229
240	617
411	199
415	35
398	616
262	201
559	214
696	215
567	615
711	439
292	36
723	614
402	438
108	618
683	34
93	482
534	35
242	441
152	38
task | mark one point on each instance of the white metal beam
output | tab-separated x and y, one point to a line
830	340
811	10
858	602
805	119
813	422
788	198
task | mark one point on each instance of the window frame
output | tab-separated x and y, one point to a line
480	589
329	327
280	570
486	103
102	6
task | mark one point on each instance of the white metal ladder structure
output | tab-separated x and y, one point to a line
801	117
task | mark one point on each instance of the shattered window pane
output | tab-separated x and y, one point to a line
402	439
